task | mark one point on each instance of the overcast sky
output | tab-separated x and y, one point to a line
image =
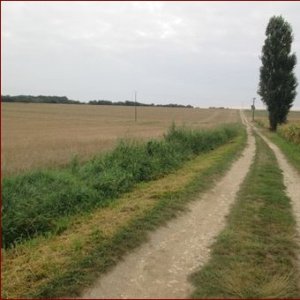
198	53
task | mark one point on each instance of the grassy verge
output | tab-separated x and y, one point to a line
287	137
40	203
61	265
254	256
291	150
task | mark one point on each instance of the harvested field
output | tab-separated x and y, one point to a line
49	135
293	116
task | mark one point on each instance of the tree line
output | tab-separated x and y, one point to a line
65	100
133	103
38	99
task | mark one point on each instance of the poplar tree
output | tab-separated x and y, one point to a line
277	86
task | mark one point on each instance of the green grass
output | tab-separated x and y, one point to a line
60	266
254	256
41	202
291	150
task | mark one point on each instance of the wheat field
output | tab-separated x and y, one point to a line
49	135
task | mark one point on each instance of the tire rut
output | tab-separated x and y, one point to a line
291	179
160	267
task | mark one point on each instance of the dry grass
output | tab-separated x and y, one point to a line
34	264
289	131
262	116
48	135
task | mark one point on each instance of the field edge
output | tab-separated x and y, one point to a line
91	265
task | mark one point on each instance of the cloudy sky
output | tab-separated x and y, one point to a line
198	53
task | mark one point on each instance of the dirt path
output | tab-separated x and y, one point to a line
290	176
292	182
291	179
160	267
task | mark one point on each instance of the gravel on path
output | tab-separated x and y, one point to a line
160	267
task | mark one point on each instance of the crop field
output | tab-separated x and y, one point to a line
106	196
262	115
49	135
86	216
93	204
289	131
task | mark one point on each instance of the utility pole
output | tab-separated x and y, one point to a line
135	112
253	109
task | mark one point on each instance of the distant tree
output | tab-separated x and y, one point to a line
38	99
278	83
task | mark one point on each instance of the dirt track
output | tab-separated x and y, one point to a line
160	268
291	178
292	182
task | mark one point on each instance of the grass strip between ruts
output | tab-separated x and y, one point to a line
254	256
291	150
62	265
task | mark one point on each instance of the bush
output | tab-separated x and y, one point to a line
36	202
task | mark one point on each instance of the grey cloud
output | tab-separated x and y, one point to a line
201	53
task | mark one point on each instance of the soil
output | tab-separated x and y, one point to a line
160	267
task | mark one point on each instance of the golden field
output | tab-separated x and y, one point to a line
48	135
293	116
290	131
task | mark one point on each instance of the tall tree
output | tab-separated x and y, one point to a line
278	83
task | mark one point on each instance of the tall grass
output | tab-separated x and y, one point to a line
287	138
290	132
39	202
63	265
